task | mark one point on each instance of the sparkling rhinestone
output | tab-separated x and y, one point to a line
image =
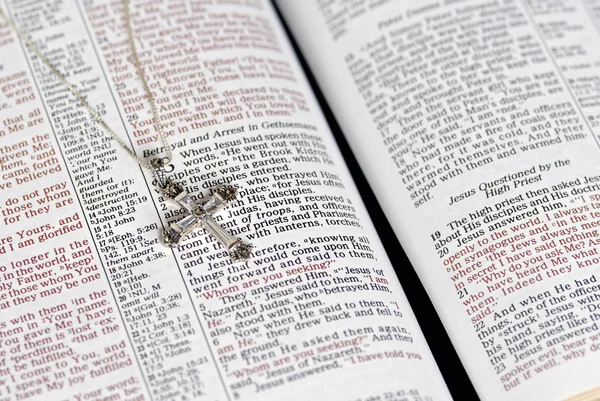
185	224
186	201
214	205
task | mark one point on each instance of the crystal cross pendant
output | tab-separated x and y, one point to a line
199	216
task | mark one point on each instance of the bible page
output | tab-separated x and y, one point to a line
477	124
93	305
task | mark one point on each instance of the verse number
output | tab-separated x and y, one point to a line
479	326
442	251
499	368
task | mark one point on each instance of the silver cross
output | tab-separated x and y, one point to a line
200	216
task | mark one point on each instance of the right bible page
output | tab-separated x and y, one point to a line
477	124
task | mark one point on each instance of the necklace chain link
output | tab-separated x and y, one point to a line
89	107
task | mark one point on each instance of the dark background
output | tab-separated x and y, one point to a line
452	369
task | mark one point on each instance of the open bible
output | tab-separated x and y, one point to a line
475	122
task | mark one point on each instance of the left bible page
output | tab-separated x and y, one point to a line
94	307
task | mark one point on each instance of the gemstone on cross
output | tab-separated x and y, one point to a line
202	216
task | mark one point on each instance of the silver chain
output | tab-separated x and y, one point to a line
93	111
